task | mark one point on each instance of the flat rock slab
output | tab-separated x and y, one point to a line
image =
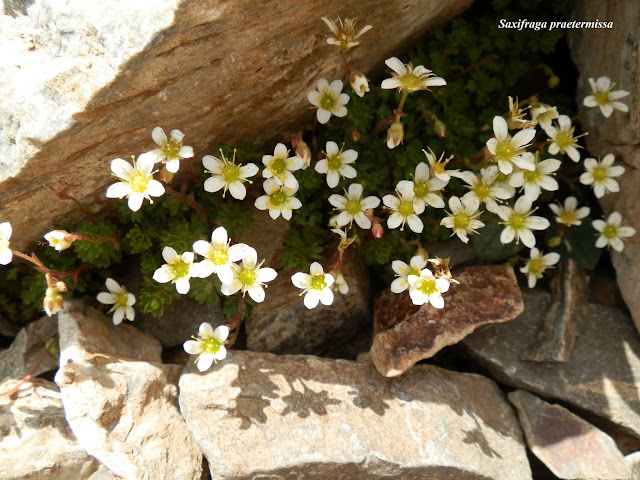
405	333
86	82
258	415
282	324
124	412
601	376
36	442
569	446
28	348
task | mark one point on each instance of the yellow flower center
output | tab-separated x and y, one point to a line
278	199
230	173
602	98
410	82
328	101
139	183
4	243
563	140
318	283
211	345
219	257
172	149
406	208
353	207
334	162
517	221
610	232
505	151
481	190
460	221
428	286
180	268
438	167
122	299
278	165
247	276
531	177
420	189
567	217
536	267
599	174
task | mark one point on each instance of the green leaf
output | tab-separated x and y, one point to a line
135	241
155	297
205	291
579	244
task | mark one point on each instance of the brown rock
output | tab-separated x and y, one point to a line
123	411
267	236
36	441
571	447
28	348
620	133
600	378
62	128
405	333
258	415
282	324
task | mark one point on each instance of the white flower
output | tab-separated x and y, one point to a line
402	271
535	180
562	139
404	209
603	96
136	181
59	239
336	164
249	277
517	120
570	214
5	251
227	175
395	135
122	301
329	100
280	165
171	149
345	240
359	83
219	256
426	287
600	175
438	166
508	151
483	187
519	222
463	217
410	79
612	232
353	206
209	345
426	190
344	33
53	301
542	114
341	284
537	264
279	199
178	269
316	286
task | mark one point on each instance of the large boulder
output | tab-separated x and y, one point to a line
615	53
85	82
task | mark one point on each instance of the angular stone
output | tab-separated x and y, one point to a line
28	348
124	412
35	439
87	330
73	102
304	416
282	324
266	236
570	447
620	133
633	460
601	376
405	333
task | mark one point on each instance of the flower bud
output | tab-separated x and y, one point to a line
440	128
52	301
377	231
395	134
354	134
61	287
555	241
553	82
59	239
359	83
304	152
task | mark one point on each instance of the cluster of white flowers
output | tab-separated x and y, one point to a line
237	266
423	285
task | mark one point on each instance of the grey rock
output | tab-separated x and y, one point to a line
28	348
572	448
282	324
86	82
620	133
601	376
35	440
258	415
633	460
123	411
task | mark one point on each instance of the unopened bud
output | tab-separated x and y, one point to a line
553	81
52	301
59	239
165	175
359	83
395	134
440	128
555	241
377	231
304	152
61	287
354	134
